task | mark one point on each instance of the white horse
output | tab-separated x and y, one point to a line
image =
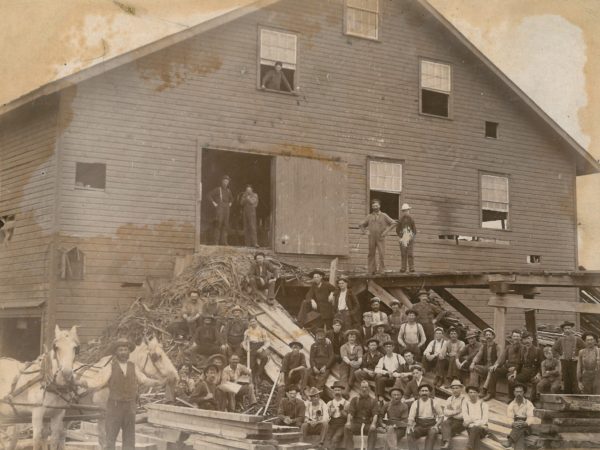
42	388
148	357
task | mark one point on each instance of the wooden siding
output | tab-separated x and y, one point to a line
357	98
27	188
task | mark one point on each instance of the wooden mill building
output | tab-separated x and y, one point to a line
104	173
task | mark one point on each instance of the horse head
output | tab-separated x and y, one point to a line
62	355
153	361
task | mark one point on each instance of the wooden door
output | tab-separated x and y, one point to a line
311	206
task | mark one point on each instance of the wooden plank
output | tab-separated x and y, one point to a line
500	325
461	308
573	405
333	271
515	301
401	295
561	398
380	292
203	413
548	414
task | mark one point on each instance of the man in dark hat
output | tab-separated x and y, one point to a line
345	305
291	410
336	337
378	315
370	359
322	360
222	199
484	365
363	412
337	409
319	298
275	79
316	417
388	369
521	410
293	367
567	348
207	338
122	379
263	276
376	224
205	394
352	355
427	313
233	333
395	416
424	419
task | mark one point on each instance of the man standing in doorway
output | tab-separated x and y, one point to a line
222	199
275	79
406	231
376	223
249	202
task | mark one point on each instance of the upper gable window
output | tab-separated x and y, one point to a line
362	18
278	60
436	87
494	202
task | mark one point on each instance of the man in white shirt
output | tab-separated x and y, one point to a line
316	416
388	369
232	375
453	416
378	315
521	410
475	418
431	355
424	419
411	335
337	410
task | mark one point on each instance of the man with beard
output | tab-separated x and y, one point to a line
377	314
234	333
395	415
567	348
532	358
453	416
362	418
319	298
376	223
521	410
511	360
424	419
206	340
337	417
484	365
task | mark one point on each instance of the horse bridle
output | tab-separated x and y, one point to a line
152	357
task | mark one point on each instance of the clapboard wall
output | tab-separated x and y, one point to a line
357	99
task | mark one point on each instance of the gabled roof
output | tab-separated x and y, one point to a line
585	163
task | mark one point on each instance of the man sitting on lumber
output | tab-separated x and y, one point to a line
395	416
431	357
370	359
532	357
233	333
521	410
263	276
550	372
567	348
352	354
207	337
411	393
236	382
206	394
588	365
190	316
256	344
336	337
322	360
475	418
362	418
389	369
484	365
453	414
319	298
337	410
424	419
316	417
466	355
293	368
291	410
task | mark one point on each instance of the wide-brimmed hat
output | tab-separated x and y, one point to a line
378	324
338	384
213	358
316	271
208	365
352	331
405	207
566	323
319	330
312	391
372	340
295	343
456	383
489	329
122	342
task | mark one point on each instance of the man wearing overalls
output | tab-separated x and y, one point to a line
424	419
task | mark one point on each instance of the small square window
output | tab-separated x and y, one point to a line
491	130
534	259
277	60
90	175
436	87
362	18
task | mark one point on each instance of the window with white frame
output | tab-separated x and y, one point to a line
362	18
385	185
436	87
494	202
278	53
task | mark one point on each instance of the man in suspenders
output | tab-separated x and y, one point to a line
424	419
411	335
521	410
475	418
453	416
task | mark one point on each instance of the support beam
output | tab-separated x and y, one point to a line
333	271
380	292
401	295
461	308
499	323
515	301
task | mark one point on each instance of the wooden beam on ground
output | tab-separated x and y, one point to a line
499	322
461	308
515	301
333	271
383	295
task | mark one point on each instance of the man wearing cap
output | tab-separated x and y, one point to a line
395	416
380	333
370	359
511	360
485	363
319	298
466	355
588	365
291	410
453	416
376	223
233	373
262	276
207	337
336	409
366	330
411	335
352	355
336	337
275	79
427	313
122	379
362	417
233	333
206	394
345	305
396	319
521	410
475	418
316	417
388	369
567	348
322	360
431	355
256	342
378	315
293	367
222	199
406	231
424	419
190	315
532	358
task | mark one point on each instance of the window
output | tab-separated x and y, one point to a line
90	175
72	265
362	18
436	86
494	202
534	259
385	184
7	228
277	47
491	130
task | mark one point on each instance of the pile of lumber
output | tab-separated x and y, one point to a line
568	421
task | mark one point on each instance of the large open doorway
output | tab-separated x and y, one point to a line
20	337
243	169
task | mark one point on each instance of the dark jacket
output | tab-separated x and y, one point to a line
320	294
221	196
351	303
267	270
294	409
369	361
406	222
291	361
321	354
337	340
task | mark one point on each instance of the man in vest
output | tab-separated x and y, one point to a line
362	418
316	417
337	410
352	355
431	356
511	360
411	335
370	359
531	361
485	363
322	360
122	379
453	416
467	354
567	348
424	419
521	411
475	418
293	368
222	199
207	337
345	305
234	333
395	414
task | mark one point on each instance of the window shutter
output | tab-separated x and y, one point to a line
278	46
385	176
494	193
436	76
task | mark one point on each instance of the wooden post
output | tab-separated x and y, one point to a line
500	324
530	324
332	271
